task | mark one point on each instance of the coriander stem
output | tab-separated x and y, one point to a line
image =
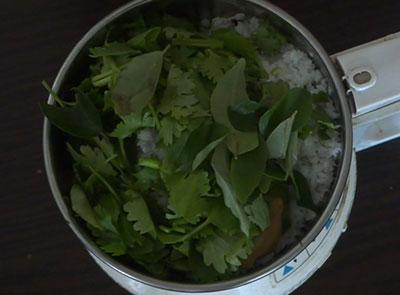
202	43
197	229
55	96
106	162
154	114
123	152
98	142
166	48
105	182
149	163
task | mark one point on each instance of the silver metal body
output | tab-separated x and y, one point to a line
290	276
142	283
376	100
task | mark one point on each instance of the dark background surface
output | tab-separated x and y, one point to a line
39	254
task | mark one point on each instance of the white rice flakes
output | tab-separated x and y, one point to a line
297	69
243	25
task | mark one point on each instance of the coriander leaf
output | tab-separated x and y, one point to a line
81	120
212	65
258	212
81	206
130	123
183	248
185	193
178	22
220	164
109	207
171	32
171	161
278	141
139	213
198	270
146	178
177	27
214	249
241	248
128	234
105	219
179	55
201	90
224	252
222	217
235	43
93	158
137	83
268	39
112	49
146	41
112	245
178	95
170	128
247	170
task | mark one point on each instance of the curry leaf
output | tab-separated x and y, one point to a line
292	151
247	170
202	155
244	116
302	190
241	142
137	83
220	164
265	184
146	41
198	140
81	120
82	207
231	89
296	100
278	141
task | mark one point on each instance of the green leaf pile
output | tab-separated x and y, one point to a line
225	138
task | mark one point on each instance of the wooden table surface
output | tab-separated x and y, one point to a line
39	254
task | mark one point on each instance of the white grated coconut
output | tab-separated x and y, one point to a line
147	139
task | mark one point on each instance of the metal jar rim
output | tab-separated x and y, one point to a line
344	166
